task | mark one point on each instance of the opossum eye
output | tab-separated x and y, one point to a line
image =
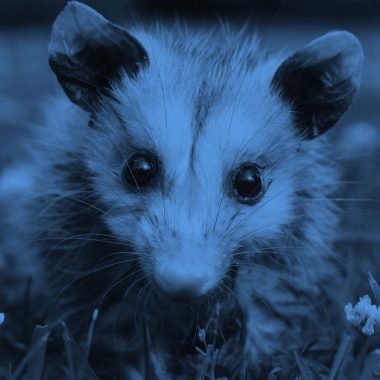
248	183
140	170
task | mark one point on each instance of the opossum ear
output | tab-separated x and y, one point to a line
320	80
87	53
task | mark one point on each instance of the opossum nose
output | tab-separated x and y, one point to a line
183	283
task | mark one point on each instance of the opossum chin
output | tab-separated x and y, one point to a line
188	274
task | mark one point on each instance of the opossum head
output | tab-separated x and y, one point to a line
201	146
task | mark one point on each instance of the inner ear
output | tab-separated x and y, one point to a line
87	53
319	81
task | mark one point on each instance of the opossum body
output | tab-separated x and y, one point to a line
186	193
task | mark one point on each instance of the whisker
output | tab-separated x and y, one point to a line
116	283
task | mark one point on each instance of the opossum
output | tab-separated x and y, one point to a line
183	190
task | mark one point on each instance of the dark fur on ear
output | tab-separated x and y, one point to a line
87	52
320	81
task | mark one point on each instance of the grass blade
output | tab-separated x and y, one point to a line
36	363
304	369
371	366
78	365
147	347
374	287
35	347
340	357
90	334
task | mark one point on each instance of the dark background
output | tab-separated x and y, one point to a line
38	12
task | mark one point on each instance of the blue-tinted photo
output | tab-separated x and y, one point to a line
189	190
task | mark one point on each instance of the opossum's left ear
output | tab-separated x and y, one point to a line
87	53
320	80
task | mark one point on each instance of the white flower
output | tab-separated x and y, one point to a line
202	335
364	314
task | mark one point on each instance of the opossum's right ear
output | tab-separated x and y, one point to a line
87	53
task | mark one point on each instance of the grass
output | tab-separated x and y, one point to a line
356	356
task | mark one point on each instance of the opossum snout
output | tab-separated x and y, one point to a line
184	281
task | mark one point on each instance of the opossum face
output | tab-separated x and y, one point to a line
196	158
190	192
